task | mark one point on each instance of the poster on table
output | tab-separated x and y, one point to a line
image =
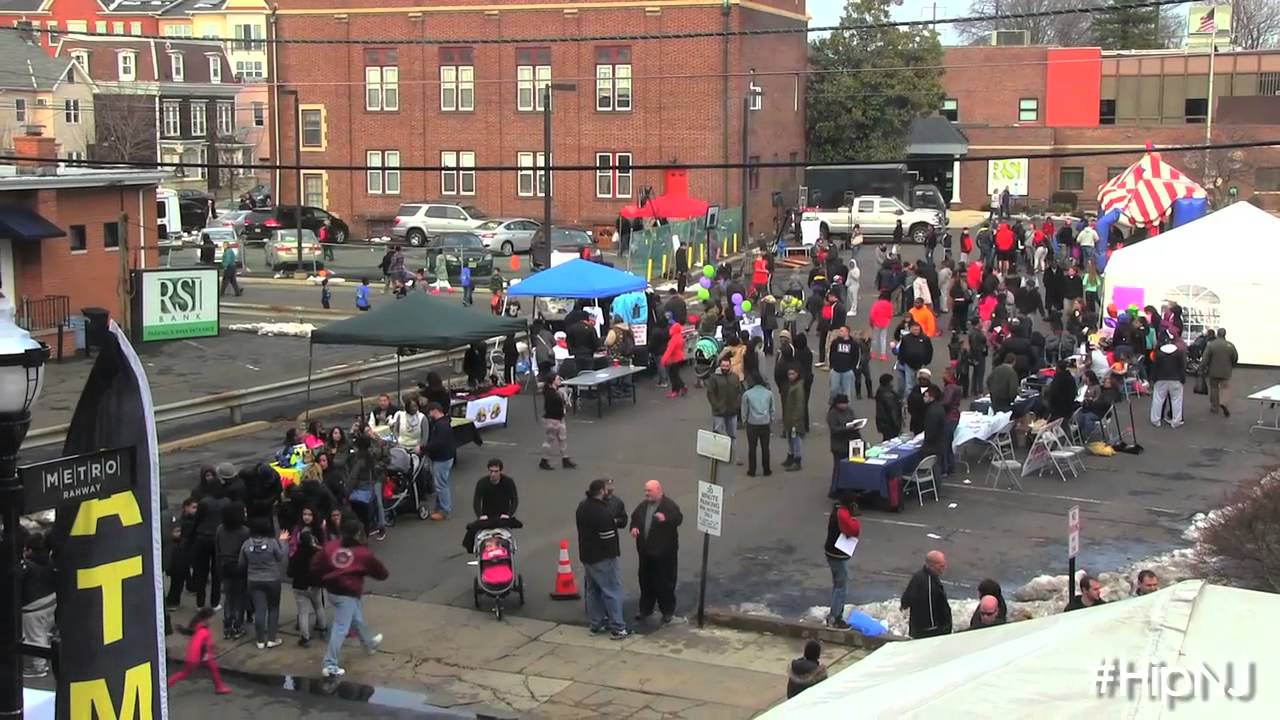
1008	173
487	411
109	586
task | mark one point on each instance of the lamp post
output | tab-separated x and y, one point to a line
21	379
547	90
297	162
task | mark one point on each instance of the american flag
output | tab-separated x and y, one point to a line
1207	22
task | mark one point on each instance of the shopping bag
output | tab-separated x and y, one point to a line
1202	386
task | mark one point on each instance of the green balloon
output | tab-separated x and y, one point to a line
704	294
708	271
746	306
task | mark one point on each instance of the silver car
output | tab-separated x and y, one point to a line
282	249
233	219
415	222
509	236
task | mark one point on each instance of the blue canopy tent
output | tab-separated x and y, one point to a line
578	279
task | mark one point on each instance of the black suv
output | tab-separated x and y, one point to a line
259	224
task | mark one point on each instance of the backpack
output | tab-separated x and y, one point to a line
966	244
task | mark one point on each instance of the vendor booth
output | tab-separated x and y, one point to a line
1218	268
1150	194
578	279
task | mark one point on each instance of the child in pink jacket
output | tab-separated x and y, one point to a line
200	652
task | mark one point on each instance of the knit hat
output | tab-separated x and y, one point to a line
785	334
925	372
840	399
226	471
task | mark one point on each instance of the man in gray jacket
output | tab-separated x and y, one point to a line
724	394
1220	358
758	412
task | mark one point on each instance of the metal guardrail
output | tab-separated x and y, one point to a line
234	401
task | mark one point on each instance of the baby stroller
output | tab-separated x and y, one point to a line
496	576
706	356
404	471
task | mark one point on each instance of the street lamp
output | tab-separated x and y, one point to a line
21	379
547	89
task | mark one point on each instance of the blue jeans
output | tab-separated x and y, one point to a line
604	594
440	472
839	586
842	383
348	612
726	425
795	443
906	378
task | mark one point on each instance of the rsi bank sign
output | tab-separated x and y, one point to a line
181	298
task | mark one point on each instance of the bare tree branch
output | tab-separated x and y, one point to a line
125	129
1255	23
1054	30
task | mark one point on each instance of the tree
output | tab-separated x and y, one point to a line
1220	169
857	112
125	128
1128	28
1255	24
1071	29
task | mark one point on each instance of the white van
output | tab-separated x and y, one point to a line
168	218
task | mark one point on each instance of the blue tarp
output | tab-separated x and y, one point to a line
578	278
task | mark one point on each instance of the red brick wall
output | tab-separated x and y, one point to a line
987	83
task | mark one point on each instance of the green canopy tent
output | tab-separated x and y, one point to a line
417	321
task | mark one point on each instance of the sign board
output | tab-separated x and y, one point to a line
1073	531
175	304
710	508
1008	173
1038	458
713	216
1208	18
76	478
715	446
487	411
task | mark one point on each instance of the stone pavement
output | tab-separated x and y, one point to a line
465	660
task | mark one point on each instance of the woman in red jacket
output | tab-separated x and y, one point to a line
673	359
842	525
881	316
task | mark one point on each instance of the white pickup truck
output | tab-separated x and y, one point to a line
877	215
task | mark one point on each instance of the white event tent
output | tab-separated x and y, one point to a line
1219	268
1048	667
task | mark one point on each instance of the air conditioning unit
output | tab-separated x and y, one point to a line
1011	38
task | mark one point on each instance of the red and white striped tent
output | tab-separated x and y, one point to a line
1145	192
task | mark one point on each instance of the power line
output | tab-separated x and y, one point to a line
150	164
636	37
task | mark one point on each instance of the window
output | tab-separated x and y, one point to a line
259	114
77	26
533	74
1028	109
226	119
52	26
1115	172
312	128
613	79
135	28
78	237
75	157
177	31
951	109
248	37
613	175
457	80
202	159
110	235
1266	179
313	189
373	173
753	172
1107	112
171	114
250	70
128	66
755	97
383	175
1195	109
199	119
177	67
71	112
81	58
100	26
117	28
528	163
1071	179
19	109
215	68
381	80
459	177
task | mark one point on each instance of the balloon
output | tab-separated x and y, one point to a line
737	298
746	306
737	311
705	282
704	294
708	271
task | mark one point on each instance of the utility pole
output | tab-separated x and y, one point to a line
122	289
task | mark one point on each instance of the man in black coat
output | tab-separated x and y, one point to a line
935	427
495	495
926	599
655	526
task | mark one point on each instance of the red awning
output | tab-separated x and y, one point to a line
668	207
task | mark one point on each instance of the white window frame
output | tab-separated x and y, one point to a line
382	88
226	119
171	119
307	197
77	26
248	37
199	119
202	158
457	88
177	66
460	178
215	69
610	79
81	58
117	27
179	31
449	177
259	110
1033	106
755	97
250	70
20	110
607	168
383	174
302	115
373	172
530	81
135	27
529	172
127	60
100	27
71	111
75	156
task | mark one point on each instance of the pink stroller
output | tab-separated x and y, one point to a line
496	576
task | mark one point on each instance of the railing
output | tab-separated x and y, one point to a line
46	313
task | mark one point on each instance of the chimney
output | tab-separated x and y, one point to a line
26	32
34	144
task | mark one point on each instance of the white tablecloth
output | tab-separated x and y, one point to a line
978	426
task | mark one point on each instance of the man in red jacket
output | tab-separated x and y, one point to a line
842	526
1004	247
341	568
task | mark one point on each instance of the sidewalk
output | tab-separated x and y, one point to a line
465	660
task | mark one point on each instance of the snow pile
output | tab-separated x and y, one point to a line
280	329
333	279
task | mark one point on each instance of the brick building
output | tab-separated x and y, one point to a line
659	102
61	231
1016	102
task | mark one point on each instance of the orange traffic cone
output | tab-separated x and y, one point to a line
515	262
566	583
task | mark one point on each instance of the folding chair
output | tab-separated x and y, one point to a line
1048	440
923	479
1003	461
1072	426
1110	425
1071	452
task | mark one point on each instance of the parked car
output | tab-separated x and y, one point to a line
233	219
282	249
223	238
459	248
564	239
508	236
260	224
415	222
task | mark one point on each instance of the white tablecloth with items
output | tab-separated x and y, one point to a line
979	426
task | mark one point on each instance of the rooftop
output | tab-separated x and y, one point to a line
52	177
24	65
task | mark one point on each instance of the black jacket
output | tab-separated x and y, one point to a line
926	600
209	516
663	539
493	500
1170	366
581	339
677	307
597	531
552	403
440	444
915	351
888	411
916	406
803	674
935	420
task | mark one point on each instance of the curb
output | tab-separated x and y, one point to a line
801	631
213	436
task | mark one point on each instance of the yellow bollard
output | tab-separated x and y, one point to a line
648	273
702	255
735	243
664	265
688	257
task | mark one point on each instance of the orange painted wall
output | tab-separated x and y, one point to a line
1073	87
